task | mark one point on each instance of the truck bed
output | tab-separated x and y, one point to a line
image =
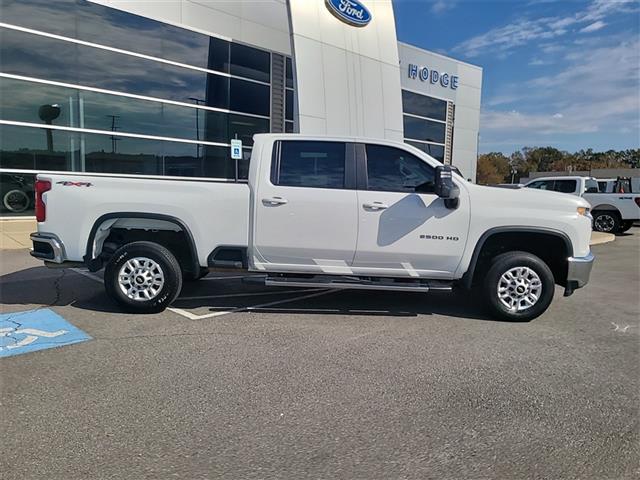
215	212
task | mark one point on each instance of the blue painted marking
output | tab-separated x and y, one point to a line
24	332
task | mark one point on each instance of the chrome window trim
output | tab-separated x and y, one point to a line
424	118
123	175
127	52
110	133
13	76
425	142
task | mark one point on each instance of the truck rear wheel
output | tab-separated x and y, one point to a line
626	225
143	277
518	286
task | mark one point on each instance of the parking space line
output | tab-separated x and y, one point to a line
252	294
192	316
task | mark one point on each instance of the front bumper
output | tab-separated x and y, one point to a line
578	272
47	247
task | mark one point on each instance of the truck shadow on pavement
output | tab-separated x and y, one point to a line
345	303
39	286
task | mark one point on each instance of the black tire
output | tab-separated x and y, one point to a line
16	201
625	225
169	270
606	221
190	277
507	262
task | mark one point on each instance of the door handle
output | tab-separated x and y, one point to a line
375	206
274	201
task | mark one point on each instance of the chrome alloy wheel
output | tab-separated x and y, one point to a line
604	223
519	289
141	279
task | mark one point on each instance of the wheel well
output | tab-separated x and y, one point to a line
605	208
553	249
111	232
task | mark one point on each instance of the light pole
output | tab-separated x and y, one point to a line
198	101
48	113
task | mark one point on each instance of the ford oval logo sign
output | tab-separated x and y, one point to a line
352	12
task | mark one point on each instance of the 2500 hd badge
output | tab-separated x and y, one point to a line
439	237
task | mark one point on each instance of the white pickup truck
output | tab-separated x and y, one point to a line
344	213
612	212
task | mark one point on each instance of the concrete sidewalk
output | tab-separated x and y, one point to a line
14	233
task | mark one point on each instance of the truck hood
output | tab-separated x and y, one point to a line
531	197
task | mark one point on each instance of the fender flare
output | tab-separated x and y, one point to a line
467	278
605	207
95	264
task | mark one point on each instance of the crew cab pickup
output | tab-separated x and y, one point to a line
612	212
344	213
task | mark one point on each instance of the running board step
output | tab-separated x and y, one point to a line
439	286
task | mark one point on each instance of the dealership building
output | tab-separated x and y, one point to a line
160	88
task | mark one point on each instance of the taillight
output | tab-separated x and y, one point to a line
41	209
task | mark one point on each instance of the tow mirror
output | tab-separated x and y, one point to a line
445	186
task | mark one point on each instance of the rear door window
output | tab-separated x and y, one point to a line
310	164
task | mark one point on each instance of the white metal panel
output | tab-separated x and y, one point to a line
309	65
392	100
215	213
470	75
313	25
336	59
469	97
386	30
466	160
264	24
467	117
372	126
169	10
394	241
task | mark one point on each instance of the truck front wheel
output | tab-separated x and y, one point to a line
143	277
518	286
606	221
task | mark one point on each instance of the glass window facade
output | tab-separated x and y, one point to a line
420	129
436	151
425	123
219	90
424	106
250	62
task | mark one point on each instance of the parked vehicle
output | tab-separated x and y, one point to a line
617	185
323	212
16	192
612	212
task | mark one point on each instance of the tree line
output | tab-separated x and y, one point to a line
496	167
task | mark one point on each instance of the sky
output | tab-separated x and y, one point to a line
555	73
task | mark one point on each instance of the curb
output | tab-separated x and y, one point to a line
598	238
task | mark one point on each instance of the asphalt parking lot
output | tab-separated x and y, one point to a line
241	381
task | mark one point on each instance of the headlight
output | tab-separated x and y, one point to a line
584	211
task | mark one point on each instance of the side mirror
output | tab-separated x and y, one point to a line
445	186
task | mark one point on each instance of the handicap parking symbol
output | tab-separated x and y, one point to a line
24	332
